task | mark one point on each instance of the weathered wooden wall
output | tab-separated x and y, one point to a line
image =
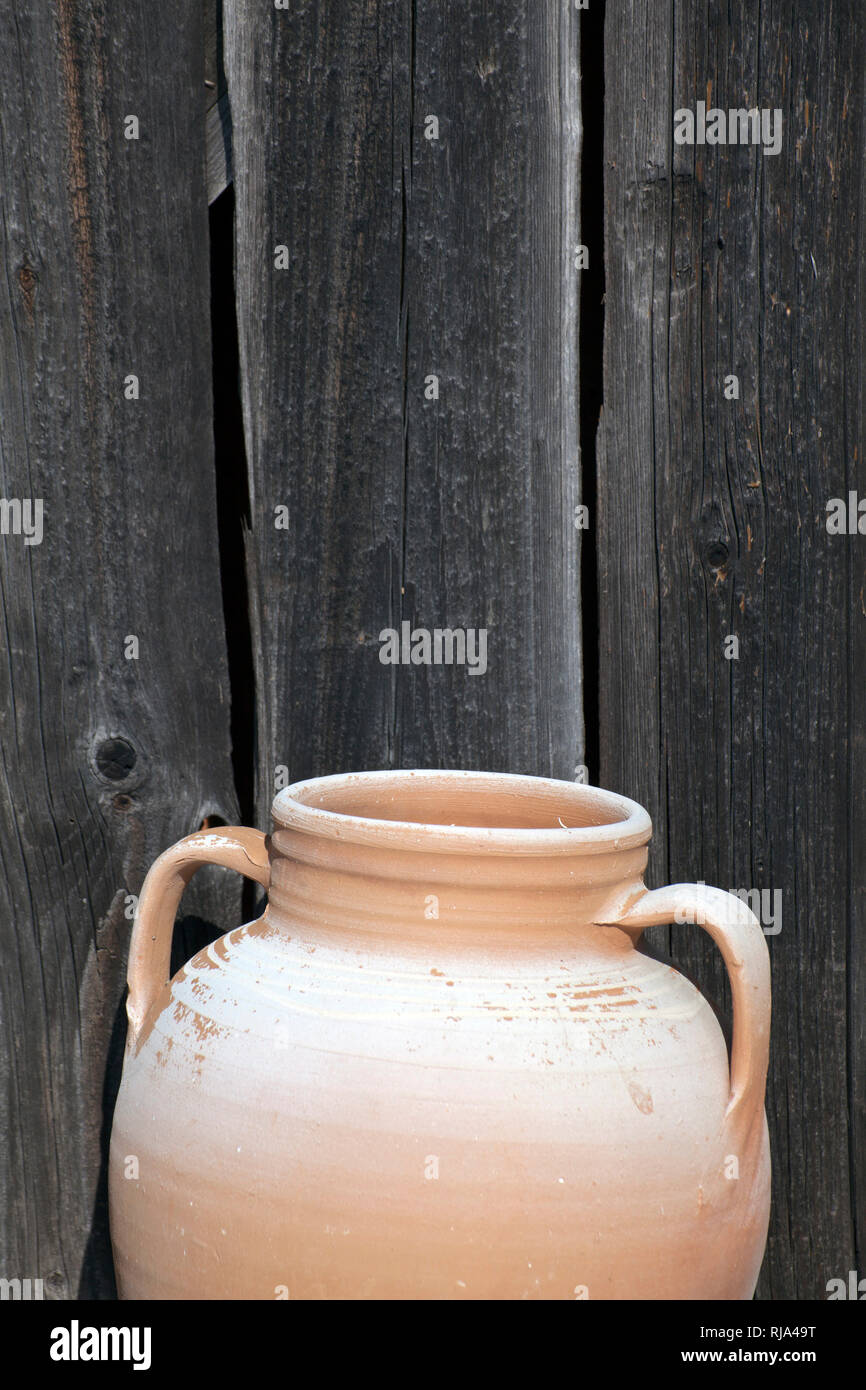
712	520
106	760
409	257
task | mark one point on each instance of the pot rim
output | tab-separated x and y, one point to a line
627	827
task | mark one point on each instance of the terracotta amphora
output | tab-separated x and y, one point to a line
437	1066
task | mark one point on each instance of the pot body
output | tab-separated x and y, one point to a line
437	1073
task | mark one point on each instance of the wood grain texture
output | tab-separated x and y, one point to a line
409	257
218	137
218	120
490	305
712	523
104	254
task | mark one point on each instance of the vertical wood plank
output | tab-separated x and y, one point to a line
855	742
317	94
723	260
492	465
106	760
408	258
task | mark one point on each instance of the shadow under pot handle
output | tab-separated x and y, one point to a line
738	935
233	847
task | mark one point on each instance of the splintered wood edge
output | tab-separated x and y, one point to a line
218	121
218	141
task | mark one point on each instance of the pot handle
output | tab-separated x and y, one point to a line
234	847
738	935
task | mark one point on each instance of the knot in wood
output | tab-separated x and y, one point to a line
115	759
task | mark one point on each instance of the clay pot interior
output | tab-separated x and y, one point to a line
477	801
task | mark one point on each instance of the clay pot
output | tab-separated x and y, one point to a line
437	1067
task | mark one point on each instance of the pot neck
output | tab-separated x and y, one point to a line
323	888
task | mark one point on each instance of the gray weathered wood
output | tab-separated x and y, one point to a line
712	523
490	304
218	138
854	829
106	760
409	257
218	120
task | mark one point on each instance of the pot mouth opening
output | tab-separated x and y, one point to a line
432	809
